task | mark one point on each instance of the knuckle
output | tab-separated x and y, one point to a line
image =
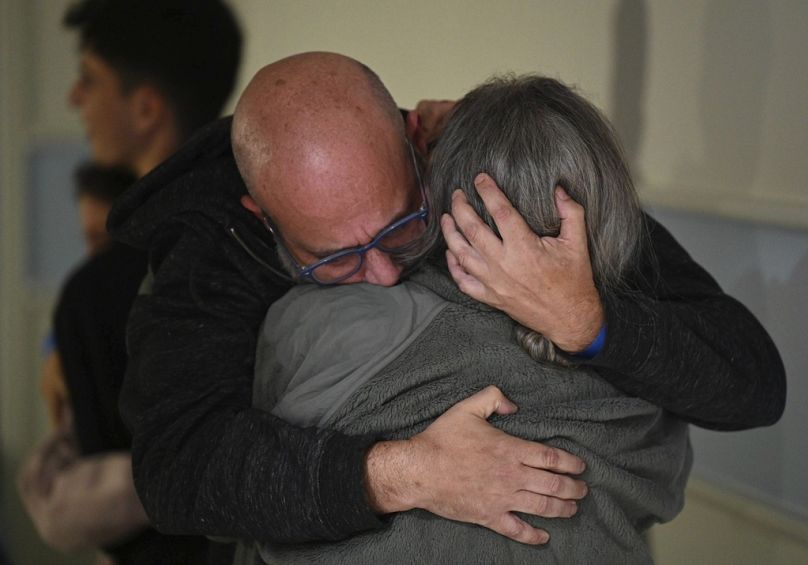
472	233
513	528
553	484
551	457
542	506
501	213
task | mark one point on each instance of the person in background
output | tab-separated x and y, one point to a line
151	73
97	187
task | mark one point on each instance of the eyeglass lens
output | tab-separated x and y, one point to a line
394	241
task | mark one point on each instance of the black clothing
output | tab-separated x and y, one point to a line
686	346
206	462
90	329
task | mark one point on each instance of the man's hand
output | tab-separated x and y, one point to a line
544	283
425	124
464	469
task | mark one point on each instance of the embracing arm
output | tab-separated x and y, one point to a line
679	342
683	329
206	462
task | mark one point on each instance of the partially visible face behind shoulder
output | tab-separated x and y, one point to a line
93	214
321	147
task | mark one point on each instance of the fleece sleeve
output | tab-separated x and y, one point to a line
682	343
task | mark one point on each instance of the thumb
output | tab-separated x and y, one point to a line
488	401
573	223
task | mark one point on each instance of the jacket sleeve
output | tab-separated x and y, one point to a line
206	462
685	345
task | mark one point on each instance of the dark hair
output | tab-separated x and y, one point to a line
189	49
531	134
102	183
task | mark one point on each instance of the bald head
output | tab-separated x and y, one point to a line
307	104
320	144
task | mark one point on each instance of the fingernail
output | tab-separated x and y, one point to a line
479	179
561	193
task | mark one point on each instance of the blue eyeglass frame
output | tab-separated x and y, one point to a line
307	271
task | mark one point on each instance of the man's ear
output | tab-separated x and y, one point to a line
150	108
251	205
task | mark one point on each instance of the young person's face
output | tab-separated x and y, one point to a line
93	218
106	111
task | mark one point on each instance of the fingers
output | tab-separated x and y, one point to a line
553	485
544	506
411	126
489	400
552	459
573	224
476	232
513	527
509	222
467	258
465	282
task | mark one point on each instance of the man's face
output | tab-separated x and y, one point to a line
359	202
105	110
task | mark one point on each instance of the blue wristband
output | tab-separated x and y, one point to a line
595	347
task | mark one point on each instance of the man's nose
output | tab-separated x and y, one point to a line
380	269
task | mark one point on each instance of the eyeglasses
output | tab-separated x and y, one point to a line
394	239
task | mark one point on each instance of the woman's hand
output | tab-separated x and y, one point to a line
544	283
426	123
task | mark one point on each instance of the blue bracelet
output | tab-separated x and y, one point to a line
595	347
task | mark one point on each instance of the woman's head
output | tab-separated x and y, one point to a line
531	134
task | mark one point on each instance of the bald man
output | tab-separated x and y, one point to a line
322	151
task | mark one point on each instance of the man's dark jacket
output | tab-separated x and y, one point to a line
206	462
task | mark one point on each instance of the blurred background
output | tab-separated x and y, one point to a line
707	95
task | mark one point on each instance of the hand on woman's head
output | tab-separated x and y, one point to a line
544	283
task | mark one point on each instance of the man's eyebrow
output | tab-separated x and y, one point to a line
323	253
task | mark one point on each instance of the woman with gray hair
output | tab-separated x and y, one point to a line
387	361
533	135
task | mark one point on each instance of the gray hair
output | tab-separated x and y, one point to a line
531	134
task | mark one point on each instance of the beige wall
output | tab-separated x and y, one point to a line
708	94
